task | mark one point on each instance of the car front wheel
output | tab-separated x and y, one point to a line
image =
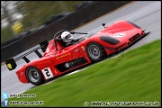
34	76
95	52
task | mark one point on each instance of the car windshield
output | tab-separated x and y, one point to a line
90	33
87	35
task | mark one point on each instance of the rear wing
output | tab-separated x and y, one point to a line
11	63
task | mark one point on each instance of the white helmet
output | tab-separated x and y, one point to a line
67	36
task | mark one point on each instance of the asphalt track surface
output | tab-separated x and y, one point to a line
146	14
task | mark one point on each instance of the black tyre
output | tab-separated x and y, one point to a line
34	76
95	52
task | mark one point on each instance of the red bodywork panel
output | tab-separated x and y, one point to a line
55	61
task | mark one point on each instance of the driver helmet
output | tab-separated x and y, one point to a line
67	36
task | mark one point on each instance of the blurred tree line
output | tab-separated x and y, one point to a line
34	14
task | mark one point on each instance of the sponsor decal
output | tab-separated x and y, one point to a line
83	48
76	50
64	55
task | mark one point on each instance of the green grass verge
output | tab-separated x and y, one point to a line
134	76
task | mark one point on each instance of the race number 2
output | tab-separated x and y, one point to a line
47	73
119	35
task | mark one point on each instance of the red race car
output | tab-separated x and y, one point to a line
59	59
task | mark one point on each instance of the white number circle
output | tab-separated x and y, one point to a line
119	35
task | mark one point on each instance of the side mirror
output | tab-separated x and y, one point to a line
103	24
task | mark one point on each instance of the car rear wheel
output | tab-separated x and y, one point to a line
34	76
95	52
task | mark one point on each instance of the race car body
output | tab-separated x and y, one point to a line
59	59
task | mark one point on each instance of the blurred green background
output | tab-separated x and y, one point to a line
31	14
